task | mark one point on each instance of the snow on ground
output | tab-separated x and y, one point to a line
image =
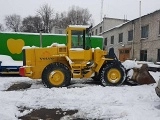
92	101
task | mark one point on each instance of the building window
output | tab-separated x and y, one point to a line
112	39
143	55
158	56
120	37
96	32
144	31
130	35
100	29
105	41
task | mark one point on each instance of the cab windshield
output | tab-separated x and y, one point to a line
80	39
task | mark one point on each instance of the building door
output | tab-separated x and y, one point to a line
143	55
124	54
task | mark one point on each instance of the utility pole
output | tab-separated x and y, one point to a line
101	10
140	24
140	14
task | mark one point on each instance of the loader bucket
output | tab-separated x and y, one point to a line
142	75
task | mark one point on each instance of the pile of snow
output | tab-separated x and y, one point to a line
129	64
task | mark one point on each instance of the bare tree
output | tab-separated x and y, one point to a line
75	16
13	22
46	13
61	20
79	16
31	24
1	27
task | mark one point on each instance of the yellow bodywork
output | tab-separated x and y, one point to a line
81	62
38	58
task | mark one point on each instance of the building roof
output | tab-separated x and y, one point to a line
118	26
108	18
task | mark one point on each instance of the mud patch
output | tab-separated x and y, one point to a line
50	114
19	86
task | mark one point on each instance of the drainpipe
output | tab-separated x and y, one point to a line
103	24
133	26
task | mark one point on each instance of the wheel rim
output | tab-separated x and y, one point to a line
56	77
113	75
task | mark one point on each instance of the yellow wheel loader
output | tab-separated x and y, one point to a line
57	64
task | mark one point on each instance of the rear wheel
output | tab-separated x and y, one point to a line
112	75
56	75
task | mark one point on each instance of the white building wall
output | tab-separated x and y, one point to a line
106	24
151	44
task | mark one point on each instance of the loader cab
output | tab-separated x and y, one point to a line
78	37
78	43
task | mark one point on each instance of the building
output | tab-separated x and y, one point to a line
136	39
106	24
57	30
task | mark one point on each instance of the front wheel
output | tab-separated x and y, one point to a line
112	75
56	75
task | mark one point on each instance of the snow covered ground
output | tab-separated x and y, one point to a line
91	100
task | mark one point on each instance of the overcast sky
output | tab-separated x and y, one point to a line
111	8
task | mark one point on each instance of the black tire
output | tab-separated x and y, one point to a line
97	76
113	75
56	75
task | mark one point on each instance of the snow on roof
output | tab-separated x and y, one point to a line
8	61
120	25
25	33
97	36
5	58
77	49
97	48
44	34
79	26
29	47
53	44
57	44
